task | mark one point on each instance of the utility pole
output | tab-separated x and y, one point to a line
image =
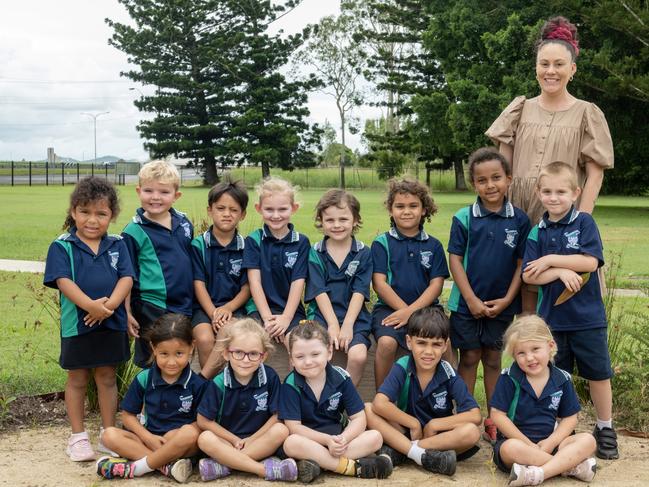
94	117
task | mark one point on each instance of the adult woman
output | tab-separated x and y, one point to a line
554	126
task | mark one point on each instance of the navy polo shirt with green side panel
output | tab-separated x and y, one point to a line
445	391
575	233
298	403
220	268
161	258
242	409
95	274
491	244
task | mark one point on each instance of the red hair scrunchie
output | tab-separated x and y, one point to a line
563	33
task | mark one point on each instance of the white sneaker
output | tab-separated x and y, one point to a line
584	471
79	448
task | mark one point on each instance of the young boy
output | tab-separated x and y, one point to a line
159	241
220	282
485	249
562	256
413	408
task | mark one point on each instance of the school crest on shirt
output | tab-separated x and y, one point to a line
573	239
334	401
425	258
186	403
262	401
510	238
440	400
114	258
235	267
187	229
555	400
351	268
291	259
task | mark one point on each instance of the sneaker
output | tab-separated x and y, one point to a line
277	469
115	468
523	475
490	431
396	457
437	461
180	470
307	471
585	471
606	443
79	448
466	454
210	469
374	467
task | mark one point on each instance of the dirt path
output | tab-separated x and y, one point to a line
36	457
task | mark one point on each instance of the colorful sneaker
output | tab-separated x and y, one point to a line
490	431
307	471
437	461
524	475
115	468
374	467
210	469
180	470
79	448
397	458
585	471
277	469
606	443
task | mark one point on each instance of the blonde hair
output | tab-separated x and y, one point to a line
244	326
525	329
161	171
559	168
272	185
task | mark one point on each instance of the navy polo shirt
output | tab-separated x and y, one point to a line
298	403
220	268
166	406
491	244
340	283
409	263
576	233
536	416
161	259
242	409
95	274
443	392
280	261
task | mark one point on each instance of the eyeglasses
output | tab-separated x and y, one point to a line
252	356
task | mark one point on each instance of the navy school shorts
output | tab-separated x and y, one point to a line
469	333
588	348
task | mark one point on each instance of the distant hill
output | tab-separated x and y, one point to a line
100	160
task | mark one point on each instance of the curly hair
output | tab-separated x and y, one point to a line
559	30
340	199
415	188
309	330
90	190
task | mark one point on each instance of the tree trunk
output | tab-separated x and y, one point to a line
210	177
342	156
460	183
428	170
265	169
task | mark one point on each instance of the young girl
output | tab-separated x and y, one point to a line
93	273
530	397
276	259
239	411
168	393
314	397
409	270
340	270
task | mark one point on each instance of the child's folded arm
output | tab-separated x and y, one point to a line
475	304
257	292
207	424
385	291
390	412
507	427
449	422
562	431
296	427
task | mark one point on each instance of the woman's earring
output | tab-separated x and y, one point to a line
571	78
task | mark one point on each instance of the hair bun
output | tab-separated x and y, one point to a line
560	28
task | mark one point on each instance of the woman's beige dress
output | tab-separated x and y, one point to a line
539	137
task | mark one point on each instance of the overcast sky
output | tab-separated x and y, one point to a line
51	49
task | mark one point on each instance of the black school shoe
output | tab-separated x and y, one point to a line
437	461
395	456
374	467
307	471
606	443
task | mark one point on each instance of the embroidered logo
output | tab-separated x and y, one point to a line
573	239
440	400
425	258
555	400
187	228
510	238
185	404
334	401
291	258
235	267
114	258
262	401
351	268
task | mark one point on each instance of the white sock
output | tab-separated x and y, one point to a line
74	437
604	424
141	467
416	452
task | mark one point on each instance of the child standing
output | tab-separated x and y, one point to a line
239	411
562	256
169	394
485	249
159	242
93	274
413	408
340	270
409	270
530	396
314	396
220	283
276	259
